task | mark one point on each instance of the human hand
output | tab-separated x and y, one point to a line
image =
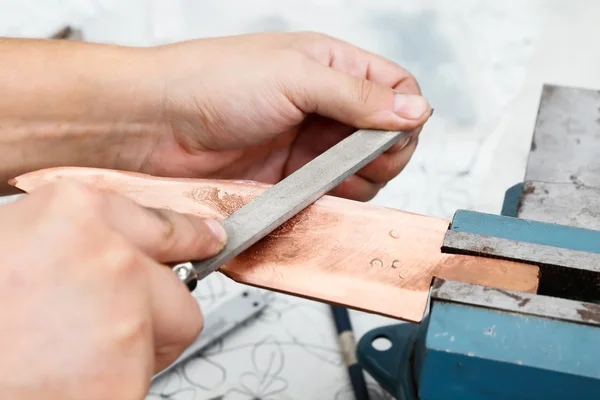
261	106
88	309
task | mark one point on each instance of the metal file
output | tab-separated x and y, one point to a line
290	196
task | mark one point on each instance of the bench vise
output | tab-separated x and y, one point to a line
481	343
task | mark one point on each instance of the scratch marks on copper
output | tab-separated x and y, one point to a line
282	244
219	201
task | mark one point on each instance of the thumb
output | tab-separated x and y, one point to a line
358	102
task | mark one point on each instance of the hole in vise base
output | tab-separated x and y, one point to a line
381	343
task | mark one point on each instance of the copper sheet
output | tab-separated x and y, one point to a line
339	251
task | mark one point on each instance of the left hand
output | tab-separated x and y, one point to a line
261	106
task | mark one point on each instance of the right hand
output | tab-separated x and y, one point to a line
87	308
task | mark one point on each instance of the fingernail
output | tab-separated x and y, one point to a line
410	106
217	230
404	142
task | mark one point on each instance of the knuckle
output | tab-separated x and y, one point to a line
120	260
191	334
309	35
167	225
130	329
72	196
391	167
364	88
195	330
127	333
193	327
293	58
210	118
168	232
315	38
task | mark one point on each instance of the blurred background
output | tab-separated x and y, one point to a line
481	64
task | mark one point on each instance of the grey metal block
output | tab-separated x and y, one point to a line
561	203
566	142
517	302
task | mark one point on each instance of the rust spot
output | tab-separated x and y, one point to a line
522	301
590	312
529	189
438	283
576	181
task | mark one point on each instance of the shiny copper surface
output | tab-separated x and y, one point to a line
359	255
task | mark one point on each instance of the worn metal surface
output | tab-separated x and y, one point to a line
566	142
518	302
561	203
469	243
284	200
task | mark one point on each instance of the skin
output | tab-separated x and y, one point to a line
86	289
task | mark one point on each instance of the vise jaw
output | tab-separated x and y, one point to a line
481	343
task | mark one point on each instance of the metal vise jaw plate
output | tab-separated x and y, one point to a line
569	257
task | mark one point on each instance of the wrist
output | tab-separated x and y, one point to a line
79	104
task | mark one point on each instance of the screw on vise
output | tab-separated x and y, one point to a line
187	274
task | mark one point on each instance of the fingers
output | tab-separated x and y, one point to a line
164	235
389	165
118	242
351	59
357	188
321	134
356	101
176	317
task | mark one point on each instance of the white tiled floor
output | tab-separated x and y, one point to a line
481	64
